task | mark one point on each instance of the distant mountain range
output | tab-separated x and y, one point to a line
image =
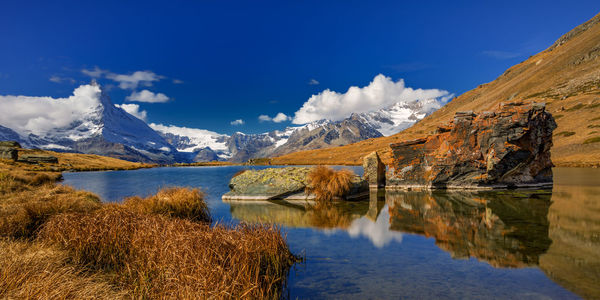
106	129
565	76
203	145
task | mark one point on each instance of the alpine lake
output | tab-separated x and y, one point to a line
523	244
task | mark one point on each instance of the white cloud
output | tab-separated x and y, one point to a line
264	118
133	80
58	79
134	109
42	115
380	93
177	81
280	117
237	122
313	81
183	131
94	73
147	96
377	232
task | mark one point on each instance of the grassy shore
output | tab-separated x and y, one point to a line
58	242
73	162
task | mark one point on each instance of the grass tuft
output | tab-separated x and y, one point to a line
592	140
158	257
177	202
565	133
327	183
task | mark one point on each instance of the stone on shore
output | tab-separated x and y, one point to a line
279	183
507	148
10	144
374	170
9	153
9	150
31	158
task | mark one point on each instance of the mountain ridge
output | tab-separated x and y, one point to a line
566	76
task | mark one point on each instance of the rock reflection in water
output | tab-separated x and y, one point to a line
296	214
369	220
505	229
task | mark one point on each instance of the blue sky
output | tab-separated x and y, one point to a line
219	61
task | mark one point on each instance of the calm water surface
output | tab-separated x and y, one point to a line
502	245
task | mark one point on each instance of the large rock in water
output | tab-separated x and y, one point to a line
278	183
503	149
374	170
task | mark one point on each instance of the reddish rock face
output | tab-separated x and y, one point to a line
507	148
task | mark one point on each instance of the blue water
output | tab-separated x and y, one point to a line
400	247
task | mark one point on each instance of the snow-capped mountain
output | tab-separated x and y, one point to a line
399	116
204	145
86	122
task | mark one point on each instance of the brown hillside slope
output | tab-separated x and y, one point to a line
566	76
71	162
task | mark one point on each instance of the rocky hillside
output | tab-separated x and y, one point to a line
566	76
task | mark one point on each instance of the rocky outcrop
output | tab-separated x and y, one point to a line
8	150
31	158
374	170
506	148
8	153
279	183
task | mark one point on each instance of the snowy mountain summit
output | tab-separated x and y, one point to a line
88	122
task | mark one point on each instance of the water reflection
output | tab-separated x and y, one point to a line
573	259
557	232
504	229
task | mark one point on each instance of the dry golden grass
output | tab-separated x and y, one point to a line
184	203
61	243
72	162
327	183
158	257
564	77
30	270
28	199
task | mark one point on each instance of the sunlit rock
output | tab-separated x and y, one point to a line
506	148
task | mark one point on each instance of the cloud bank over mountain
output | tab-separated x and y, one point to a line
380	93
39	115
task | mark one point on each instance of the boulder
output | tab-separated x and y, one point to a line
278	183
374	170
506	148
9	144
9	153
31	158
271	183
